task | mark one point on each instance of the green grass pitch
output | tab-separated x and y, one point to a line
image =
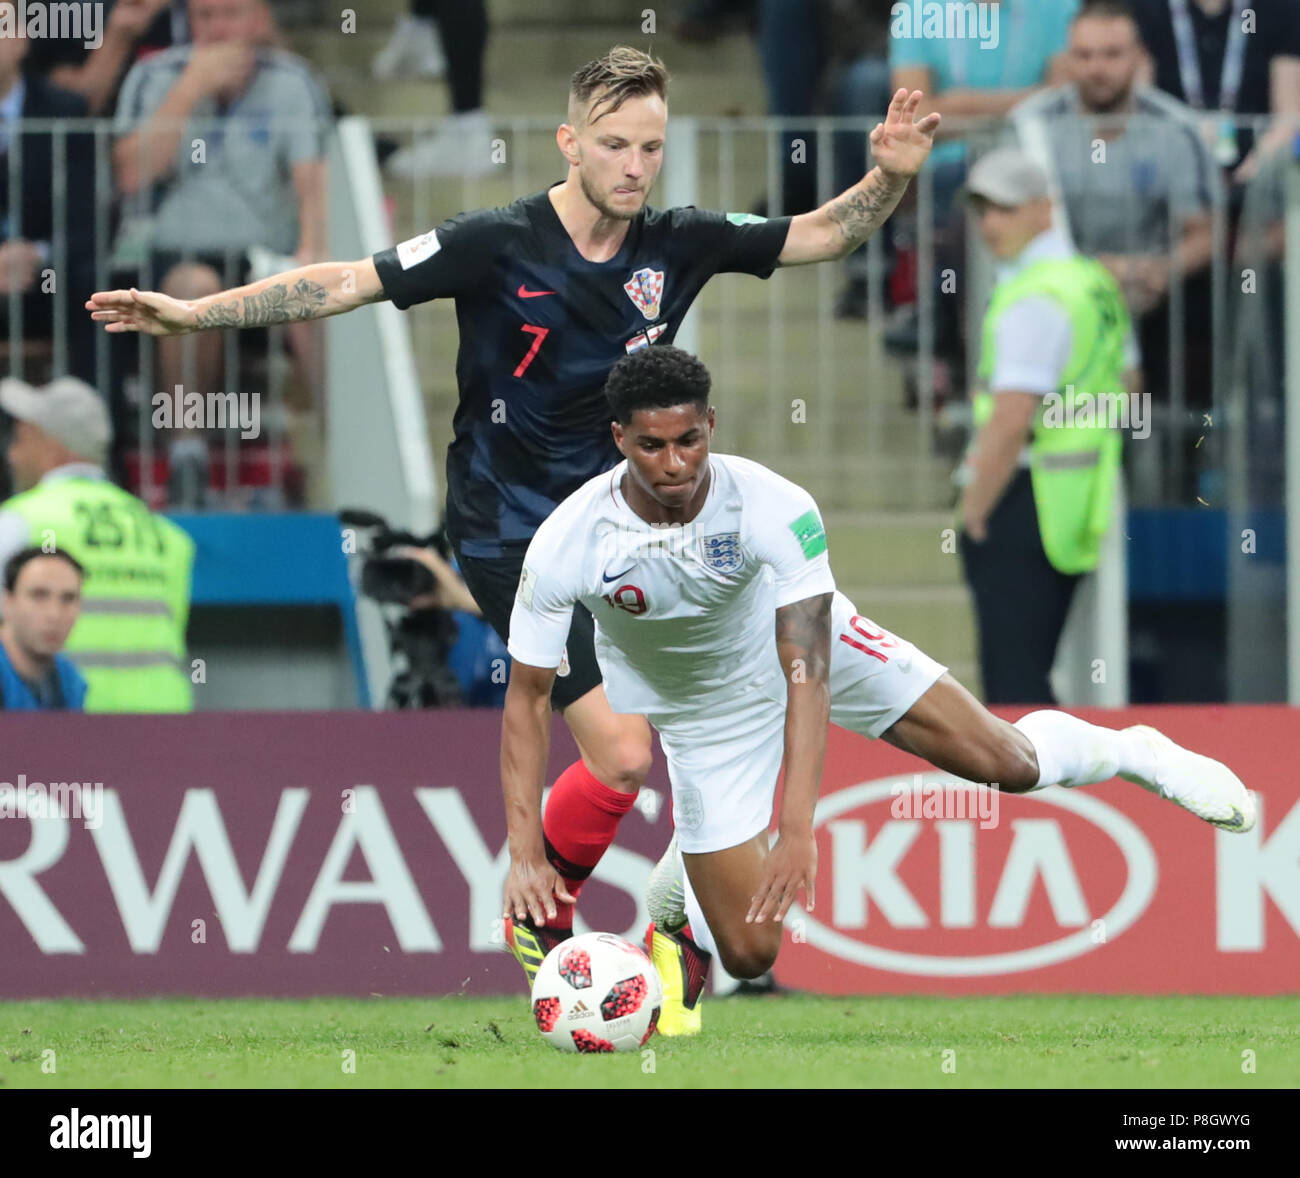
804	1041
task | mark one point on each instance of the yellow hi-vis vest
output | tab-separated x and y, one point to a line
1075	452
129	641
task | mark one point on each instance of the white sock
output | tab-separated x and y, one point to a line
1073	752
702	935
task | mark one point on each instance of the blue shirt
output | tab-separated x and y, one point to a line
1010	53
63	689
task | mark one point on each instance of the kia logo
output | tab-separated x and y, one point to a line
1139	885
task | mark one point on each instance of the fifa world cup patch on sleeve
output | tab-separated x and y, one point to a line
811	535
527	583
745	219
418	249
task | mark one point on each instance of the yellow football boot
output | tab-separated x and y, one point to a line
683	968
531	944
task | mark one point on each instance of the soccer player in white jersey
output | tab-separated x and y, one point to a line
717	618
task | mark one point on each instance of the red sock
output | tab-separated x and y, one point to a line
582	816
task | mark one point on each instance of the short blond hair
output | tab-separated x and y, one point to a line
621	74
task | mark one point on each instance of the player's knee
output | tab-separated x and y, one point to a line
748	964
191	280
625	764
631	768
751	958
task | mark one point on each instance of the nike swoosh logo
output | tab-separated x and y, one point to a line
532	294
616	576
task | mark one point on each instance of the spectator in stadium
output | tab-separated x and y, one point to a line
130	639
857	35
40	605
833	61
1032	515
223	141
449	592
704	21
828	56
46	260
1233	56
414	48
462	146
791	49
1144	208
858	78
1257	337
478	657
130	27
968	77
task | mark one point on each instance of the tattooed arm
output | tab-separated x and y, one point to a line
803	643
309	292
900	145
843	224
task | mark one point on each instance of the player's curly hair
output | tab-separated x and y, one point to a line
621	74
657	378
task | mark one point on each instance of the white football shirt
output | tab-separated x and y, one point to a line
684	613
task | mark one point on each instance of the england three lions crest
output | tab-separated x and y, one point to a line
645	288
722	552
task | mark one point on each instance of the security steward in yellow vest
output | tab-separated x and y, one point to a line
1038	482
129	642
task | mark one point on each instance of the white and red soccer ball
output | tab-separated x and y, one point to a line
597	992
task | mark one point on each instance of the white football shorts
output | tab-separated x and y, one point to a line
723	764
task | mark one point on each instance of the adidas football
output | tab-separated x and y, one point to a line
597	992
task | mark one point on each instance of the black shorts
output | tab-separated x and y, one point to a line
493	581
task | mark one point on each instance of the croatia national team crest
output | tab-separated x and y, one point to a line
722	552
645	288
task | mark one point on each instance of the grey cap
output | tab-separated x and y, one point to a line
1006	176
67	409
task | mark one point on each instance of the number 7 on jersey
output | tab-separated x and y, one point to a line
541	333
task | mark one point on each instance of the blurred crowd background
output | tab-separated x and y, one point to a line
195	147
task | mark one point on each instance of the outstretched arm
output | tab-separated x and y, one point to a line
309	292
803	643
900	145
532	885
